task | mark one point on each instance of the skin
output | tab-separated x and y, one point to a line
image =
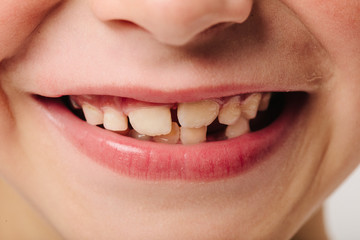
307	45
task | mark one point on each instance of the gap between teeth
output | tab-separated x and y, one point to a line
154	122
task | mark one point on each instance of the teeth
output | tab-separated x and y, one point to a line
197	114
134	134
250	106
192	135
93	115
114	119
151	121
264	103
172	137
239	128
230	111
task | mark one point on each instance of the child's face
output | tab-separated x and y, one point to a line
93	182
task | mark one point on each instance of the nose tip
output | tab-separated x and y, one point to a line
179	23
174	22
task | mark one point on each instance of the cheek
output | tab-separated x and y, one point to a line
18	18
5	116
335	23
7	130
341	18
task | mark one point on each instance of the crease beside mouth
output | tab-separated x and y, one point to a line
183	123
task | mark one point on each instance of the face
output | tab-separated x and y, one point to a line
187	62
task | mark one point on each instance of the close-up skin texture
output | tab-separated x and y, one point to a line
66	65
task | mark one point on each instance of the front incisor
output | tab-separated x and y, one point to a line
151	121
192	135
114	119
197	114
230	111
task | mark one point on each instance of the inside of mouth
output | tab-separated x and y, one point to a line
215	131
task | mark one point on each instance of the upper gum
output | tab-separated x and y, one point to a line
128	104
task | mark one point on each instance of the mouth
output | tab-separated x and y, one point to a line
179	123
203	140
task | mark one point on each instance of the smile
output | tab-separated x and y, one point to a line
185	123
203	140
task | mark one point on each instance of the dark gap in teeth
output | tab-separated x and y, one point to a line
215	131
265	118
174	117
78	112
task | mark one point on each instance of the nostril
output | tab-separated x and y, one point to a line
126	24
216	28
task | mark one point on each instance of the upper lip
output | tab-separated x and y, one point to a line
236	61
154	95
162	76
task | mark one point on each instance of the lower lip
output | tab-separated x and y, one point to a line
154	161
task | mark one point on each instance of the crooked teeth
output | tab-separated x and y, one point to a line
197	114
193	135
230	111
265	101
93	115
151	121
114	119
250	106
172	137
240	127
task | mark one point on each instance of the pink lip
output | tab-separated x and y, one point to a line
164	96
154	161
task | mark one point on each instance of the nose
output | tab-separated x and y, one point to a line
173	22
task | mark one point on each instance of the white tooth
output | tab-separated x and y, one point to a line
197	114
172	137
151	121
114	119
134	134
192	135
239	128
264	103
250	106
230	111
93	115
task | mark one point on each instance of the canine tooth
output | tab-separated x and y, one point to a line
93	115
134	134
151	121
265	101
230	111
114	119
239	128
172	137
197	114
193	135
250	106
